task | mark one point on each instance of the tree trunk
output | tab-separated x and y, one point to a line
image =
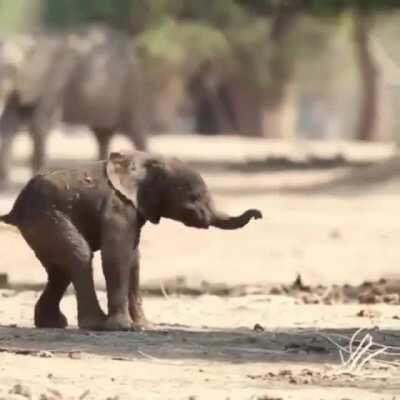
278	121
211	106
247	105
370	84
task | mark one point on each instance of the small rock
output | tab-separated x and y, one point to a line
51	395
276	290
392	298
3	280
266	397
84	394
21	390
298	284
258	328
368	298
7	293
335	234
368	314
311	298
75	355
45	354
285	372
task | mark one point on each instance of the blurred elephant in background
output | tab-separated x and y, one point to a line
90	78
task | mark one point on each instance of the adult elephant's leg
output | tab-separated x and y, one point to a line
103	137
139	139
136	126
39	130
39	150
9	124
5	157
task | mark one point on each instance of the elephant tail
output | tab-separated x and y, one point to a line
7	218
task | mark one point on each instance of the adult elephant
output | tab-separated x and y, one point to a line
91	78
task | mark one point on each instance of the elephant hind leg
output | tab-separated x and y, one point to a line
103	137
47	309
56	241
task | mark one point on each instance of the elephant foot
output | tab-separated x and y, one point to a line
47	319
142	325
92	323
139	319
120	322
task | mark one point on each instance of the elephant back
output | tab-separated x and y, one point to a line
95	92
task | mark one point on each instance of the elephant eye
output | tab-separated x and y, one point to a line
193	197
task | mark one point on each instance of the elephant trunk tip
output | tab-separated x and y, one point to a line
223	221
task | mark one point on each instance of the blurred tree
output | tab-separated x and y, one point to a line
368	118
280	70
18	16
238	57
236	63
61	14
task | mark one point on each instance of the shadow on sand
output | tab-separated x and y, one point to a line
169	343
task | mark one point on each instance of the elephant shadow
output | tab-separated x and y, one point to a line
174	343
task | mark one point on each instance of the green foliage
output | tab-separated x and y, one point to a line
18	15
234	36
183	45
59	14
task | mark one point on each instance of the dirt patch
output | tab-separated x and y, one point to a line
385	291
329	378
259	334
370	292
382	291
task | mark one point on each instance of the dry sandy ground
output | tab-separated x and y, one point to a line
206	347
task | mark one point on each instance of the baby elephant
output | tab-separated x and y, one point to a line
66	215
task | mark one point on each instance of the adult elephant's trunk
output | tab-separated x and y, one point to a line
223	221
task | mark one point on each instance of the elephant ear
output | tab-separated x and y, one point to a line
126	171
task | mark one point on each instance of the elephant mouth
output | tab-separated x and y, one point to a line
197	224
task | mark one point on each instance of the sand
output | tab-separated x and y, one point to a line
245	344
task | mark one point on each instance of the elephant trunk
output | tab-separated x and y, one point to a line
223	221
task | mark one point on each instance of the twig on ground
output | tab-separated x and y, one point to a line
163	291
366	351
159	360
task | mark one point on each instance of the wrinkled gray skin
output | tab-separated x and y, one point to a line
91	79
66	215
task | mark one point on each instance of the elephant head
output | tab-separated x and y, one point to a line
168	188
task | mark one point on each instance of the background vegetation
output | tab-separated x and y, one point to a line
273	68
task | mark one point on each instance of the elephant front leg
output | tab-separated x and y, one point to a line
117	259
135	299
